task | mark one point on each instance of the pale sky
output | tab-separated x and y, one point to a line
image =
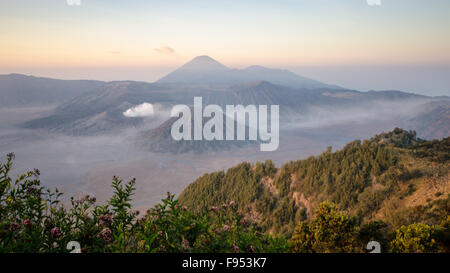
144	39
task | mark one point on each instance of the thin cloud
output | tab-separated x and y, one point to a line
374	2
165	50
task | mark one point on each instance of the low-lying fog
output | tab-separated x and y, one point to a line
85	164
368	112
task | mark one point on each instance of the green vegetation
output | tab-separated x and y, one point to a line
414	238
329	231
435	150
398	138
334	231
374	181
393	191
33	219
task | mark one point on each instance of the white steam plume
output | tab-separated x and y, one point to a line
142	110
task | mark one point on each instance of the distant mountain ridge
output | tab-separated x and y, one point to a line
22	90
204	69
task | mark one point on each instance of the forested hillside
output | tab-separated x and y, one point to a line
393	178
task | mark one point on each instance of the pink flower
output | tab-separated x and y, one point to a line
105	234
27	223
251	249
56	233
185	244
104	220
232	204
226	228
235	248
214	209
85	198
11	156
14	226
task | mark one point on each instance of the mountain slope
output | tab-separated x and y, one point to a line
160	140
101	110
21	90
384	178
434	121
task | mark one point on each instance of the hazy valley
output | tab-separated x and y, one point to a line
76	132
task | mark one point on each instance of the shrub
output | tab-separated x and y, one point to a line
415	238
33	219
329	231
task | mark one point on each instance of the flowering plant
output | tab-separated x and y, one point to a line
34	219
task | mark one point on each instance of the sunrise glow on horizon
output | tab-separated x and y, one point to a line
48	36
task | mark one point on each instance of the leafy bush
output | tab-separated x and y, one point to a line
221	229
416	237
33	219
329	231
436	150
